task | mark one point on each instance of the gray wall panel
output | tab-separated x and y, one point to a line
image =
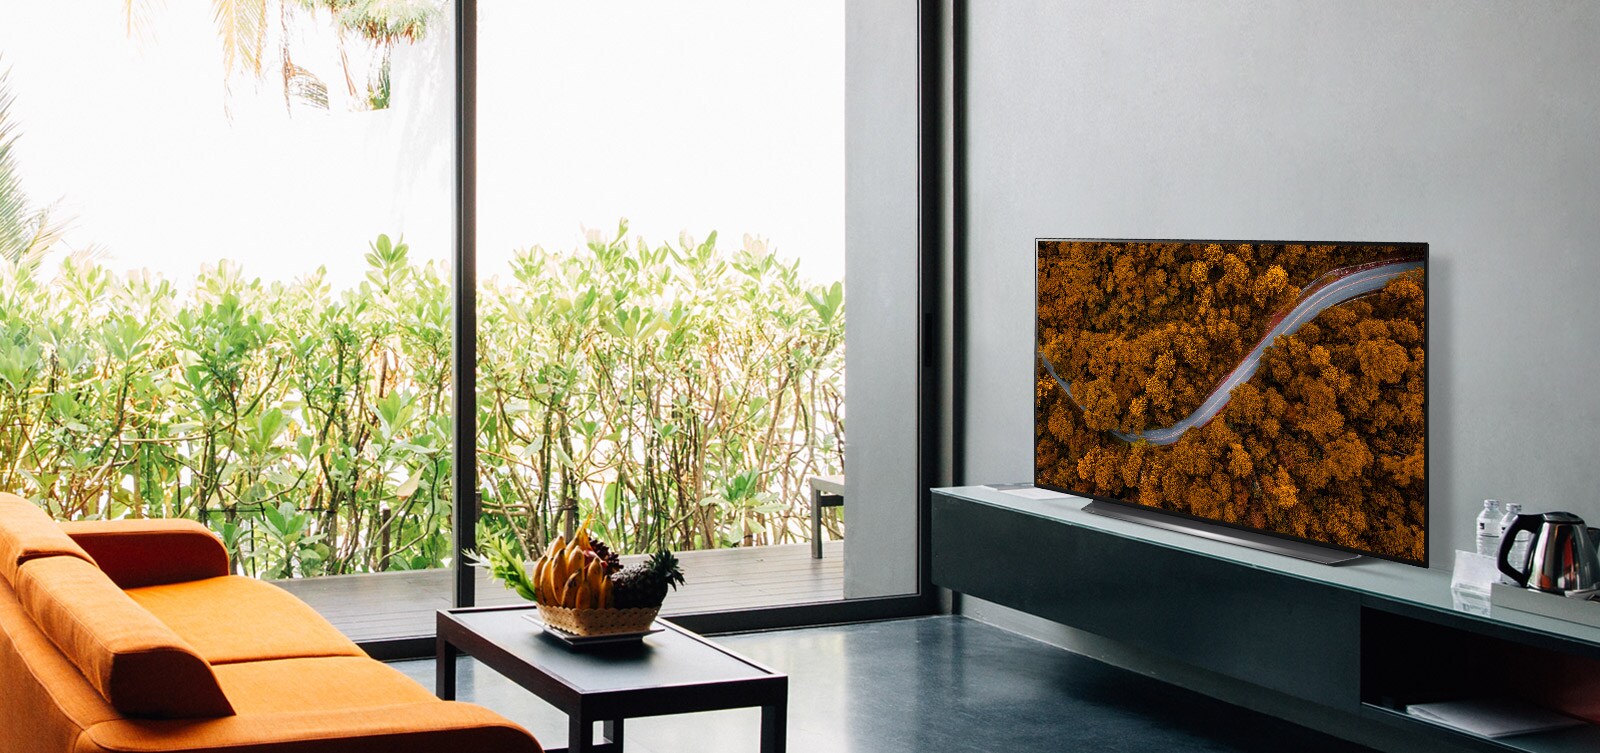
1469	126
881	360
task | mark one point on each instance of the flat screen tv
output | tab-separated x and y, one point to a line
1272	389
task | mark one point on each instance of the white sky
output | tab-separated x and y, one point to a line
692	115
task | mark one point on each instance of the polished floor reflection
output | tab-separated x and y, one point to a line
932	685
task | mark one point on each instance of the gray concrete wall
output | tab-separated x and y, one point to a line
881	357
1472	126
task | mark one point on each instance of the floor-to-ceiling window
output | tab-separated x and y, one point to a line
660	244
229	229
225	291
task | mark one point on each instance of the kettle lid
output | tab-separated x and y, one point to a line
1561	517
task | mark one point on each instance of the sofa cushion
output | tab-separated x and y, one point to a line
235	619
136	553
325	683
136	663
432	727
27	533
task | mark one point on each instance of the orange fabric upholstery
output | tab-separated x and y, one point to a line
27	533
329	683
234	619
44	703
88	667
139	553
138	664
432	727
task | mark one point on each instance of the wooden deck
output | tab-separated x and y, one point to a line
402	605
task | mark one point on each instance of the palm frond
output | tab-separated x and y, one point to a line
303	85
389	21
336	6
17	216
136	15
242	27
26	232
48	228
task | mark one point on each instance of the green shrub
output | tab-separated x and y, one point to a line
678	394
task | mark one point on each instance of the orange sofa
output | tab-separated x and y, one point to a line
133	636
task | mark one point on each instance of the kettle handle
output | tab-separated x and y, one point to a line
1509	539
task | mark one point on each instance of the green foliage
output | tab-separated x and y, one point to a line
644	381
649	379
380	90
503	559
679	394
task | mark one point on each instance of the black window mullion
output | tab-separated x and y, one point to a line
464	409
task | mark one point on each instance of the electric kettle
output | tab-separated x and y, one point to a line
1561	558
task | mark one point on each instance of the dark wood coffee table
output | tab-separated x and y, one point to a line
671	672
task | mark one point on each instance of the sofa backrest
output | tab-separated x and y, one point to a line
151	552
45	704
27	533
137	663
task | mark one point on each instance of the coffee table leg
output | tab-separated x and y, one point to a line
444	671
612	730
580	733
774	728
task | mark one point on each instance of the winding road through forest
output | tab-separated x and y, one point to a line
1337	287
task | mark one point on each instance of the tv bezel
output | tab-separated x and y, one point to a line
1427	444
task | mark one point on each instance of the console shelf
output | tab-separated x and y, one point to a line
1365	638
1585	739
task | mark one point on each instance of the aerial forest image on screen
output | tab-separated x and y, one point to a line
1278	387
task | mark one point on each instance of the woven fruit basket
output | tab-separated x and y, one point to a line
581	587
588	622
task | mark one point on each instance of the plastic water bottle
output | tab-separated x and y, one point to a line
1489	529
1519	549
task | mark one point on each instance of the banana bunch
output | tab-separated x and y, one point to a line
572	574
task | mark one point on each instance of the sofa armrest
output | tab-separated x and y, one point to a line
408	728
136	553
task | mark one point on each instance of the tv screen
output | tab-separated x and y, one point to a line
1269	386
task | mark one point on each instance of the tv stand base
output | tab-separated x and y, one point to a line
1296	549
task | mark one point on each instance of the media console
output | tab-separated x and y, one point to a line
1367	638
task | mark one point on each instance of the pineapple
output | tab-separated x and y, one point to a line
607	557
644	584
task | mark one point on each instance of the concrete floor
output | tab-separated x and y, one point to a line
932	685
